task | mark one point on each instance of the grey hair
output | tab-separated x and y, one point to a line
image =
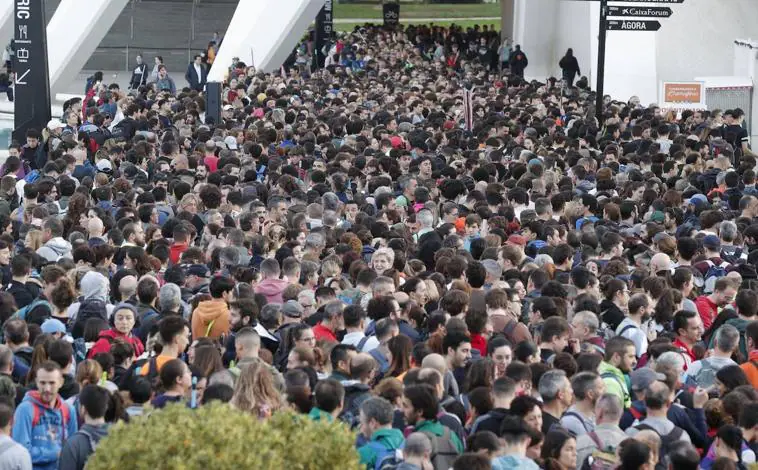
542	259
611	407
727	338
330	218
672	359
229	256
270	315
551	383
588	319
170	297
728	231
330	201
583	383
425	218
333	309
314	240
378	408
417	445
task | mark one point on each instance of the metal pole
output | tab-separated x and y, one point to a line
601	60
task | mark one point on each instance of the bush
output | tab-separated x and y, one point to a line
218	437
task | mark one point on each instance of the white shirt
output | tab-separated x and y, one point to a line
636	334
199	72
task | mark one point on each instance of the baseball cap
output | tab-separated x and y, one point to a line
231	142
52	325
643	377
658	216
55	124
712	241
104	165
228	107
200	270
698	199
516	240
292	309
396	141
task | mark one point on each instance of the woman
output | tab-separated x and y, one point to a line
382	260
255	392
729	444
614	305
158	61
500	351
730	377
570	67
207	359
559	450
635	455
176	381
137	259
299	335
400	347
301	357
529	409
122	323
33	240
87	372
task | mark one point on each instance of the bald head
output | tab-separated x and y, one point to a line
247	343
362	367
95	227
660	262
417	445
435	361
127	287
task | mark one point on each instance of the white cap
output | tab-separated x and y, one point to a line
55	124
104	165
231	142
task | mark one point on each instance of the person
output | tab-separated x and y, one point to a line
579	418
417	452
173	333
518	61
176	380
93	404
658	401
163	81
43	421
139	74
255	391
420	408
607	434
123	320
620	359
569	67
211	317
636	455
14	455
376	416
503	393
559	450
702	373
515	435
197	74
557	396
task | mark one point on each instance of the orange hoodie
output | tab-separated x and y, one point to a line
751	368
211	319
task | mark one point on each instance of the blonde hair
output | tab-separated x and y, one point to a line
88	372
255	391
35	239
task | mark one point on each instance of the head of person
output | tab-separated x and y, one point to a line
515	434
688	326
49	380
375	413
176	376
174	332
555	386
247	343
457	347
124	318
556	333
621	353
528	409
93	402
329	396
420	404
635	455
587	387
559	447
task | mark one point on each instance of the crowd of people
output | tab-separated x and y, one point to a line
536	289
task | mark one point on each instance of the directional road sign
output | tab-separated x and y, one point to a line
648	1
640	12
633	25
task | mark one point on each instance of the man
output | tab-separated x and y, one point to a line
708	306
15	456
584	326
355	319
555	338
340	358
557	396
33	152
376	415
328	399
247	347
658	401
420	408
363	369
457	347
271	286
640	309
751	366
139	74
16	333
196	74
579	419
504	310
607	435
93	403
417	453
515	437
43	420
21	269
620	358
688	328
173	333
211	317
269	320
503	393
332	322
702	373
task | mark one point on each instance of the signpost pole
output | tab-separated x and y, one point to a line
602	35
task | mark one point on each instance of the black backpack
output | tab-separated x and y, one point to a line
89	308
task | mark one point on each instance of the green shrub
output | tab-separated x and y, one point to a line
218	437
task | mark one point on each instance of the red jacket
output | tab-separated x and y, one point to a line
708	310
322	332
175	252
107	338
479	342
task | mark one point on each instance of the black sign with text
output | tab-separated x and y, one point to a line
633	25
640	12
324	28
30	68
391	14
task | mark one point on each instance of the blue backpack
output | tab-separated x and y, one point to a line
386	459
23	311
32	176
714	273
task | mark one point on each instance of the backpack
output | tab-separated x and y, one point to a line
65	414
735	257
714	273
576	415
362	343
706	376
444	451
89	308
602	458
23	311
385	458
667	443
32	176
509	329
627	328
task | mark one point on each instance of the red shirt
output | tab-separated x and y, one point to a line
322	332
478	342
707	309
175	252
211	162
689	356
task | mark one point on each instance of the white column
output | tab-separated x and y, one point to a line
264	40
73	34
6	22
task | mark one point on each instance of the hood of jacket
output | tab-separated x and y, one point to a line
58	245
354	386
271	287
513	462
34	396
94	285
391	438
211	310
95	433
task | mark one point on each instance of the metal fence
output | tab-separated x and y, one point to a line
730	98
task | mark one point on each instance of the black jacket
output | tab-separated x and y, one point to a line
195	82
139	76
80	446
429	243
22	295
490	421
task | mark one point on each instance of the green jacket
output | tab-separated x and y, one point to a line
390	438
318	415
434	427
615	383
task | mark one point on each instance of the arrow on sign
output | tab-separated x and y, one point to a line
642	12
630	25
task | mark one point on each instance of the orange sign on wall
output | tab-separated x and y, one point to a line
683	94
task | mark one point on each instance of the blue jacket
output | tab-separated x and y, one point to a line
43	435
